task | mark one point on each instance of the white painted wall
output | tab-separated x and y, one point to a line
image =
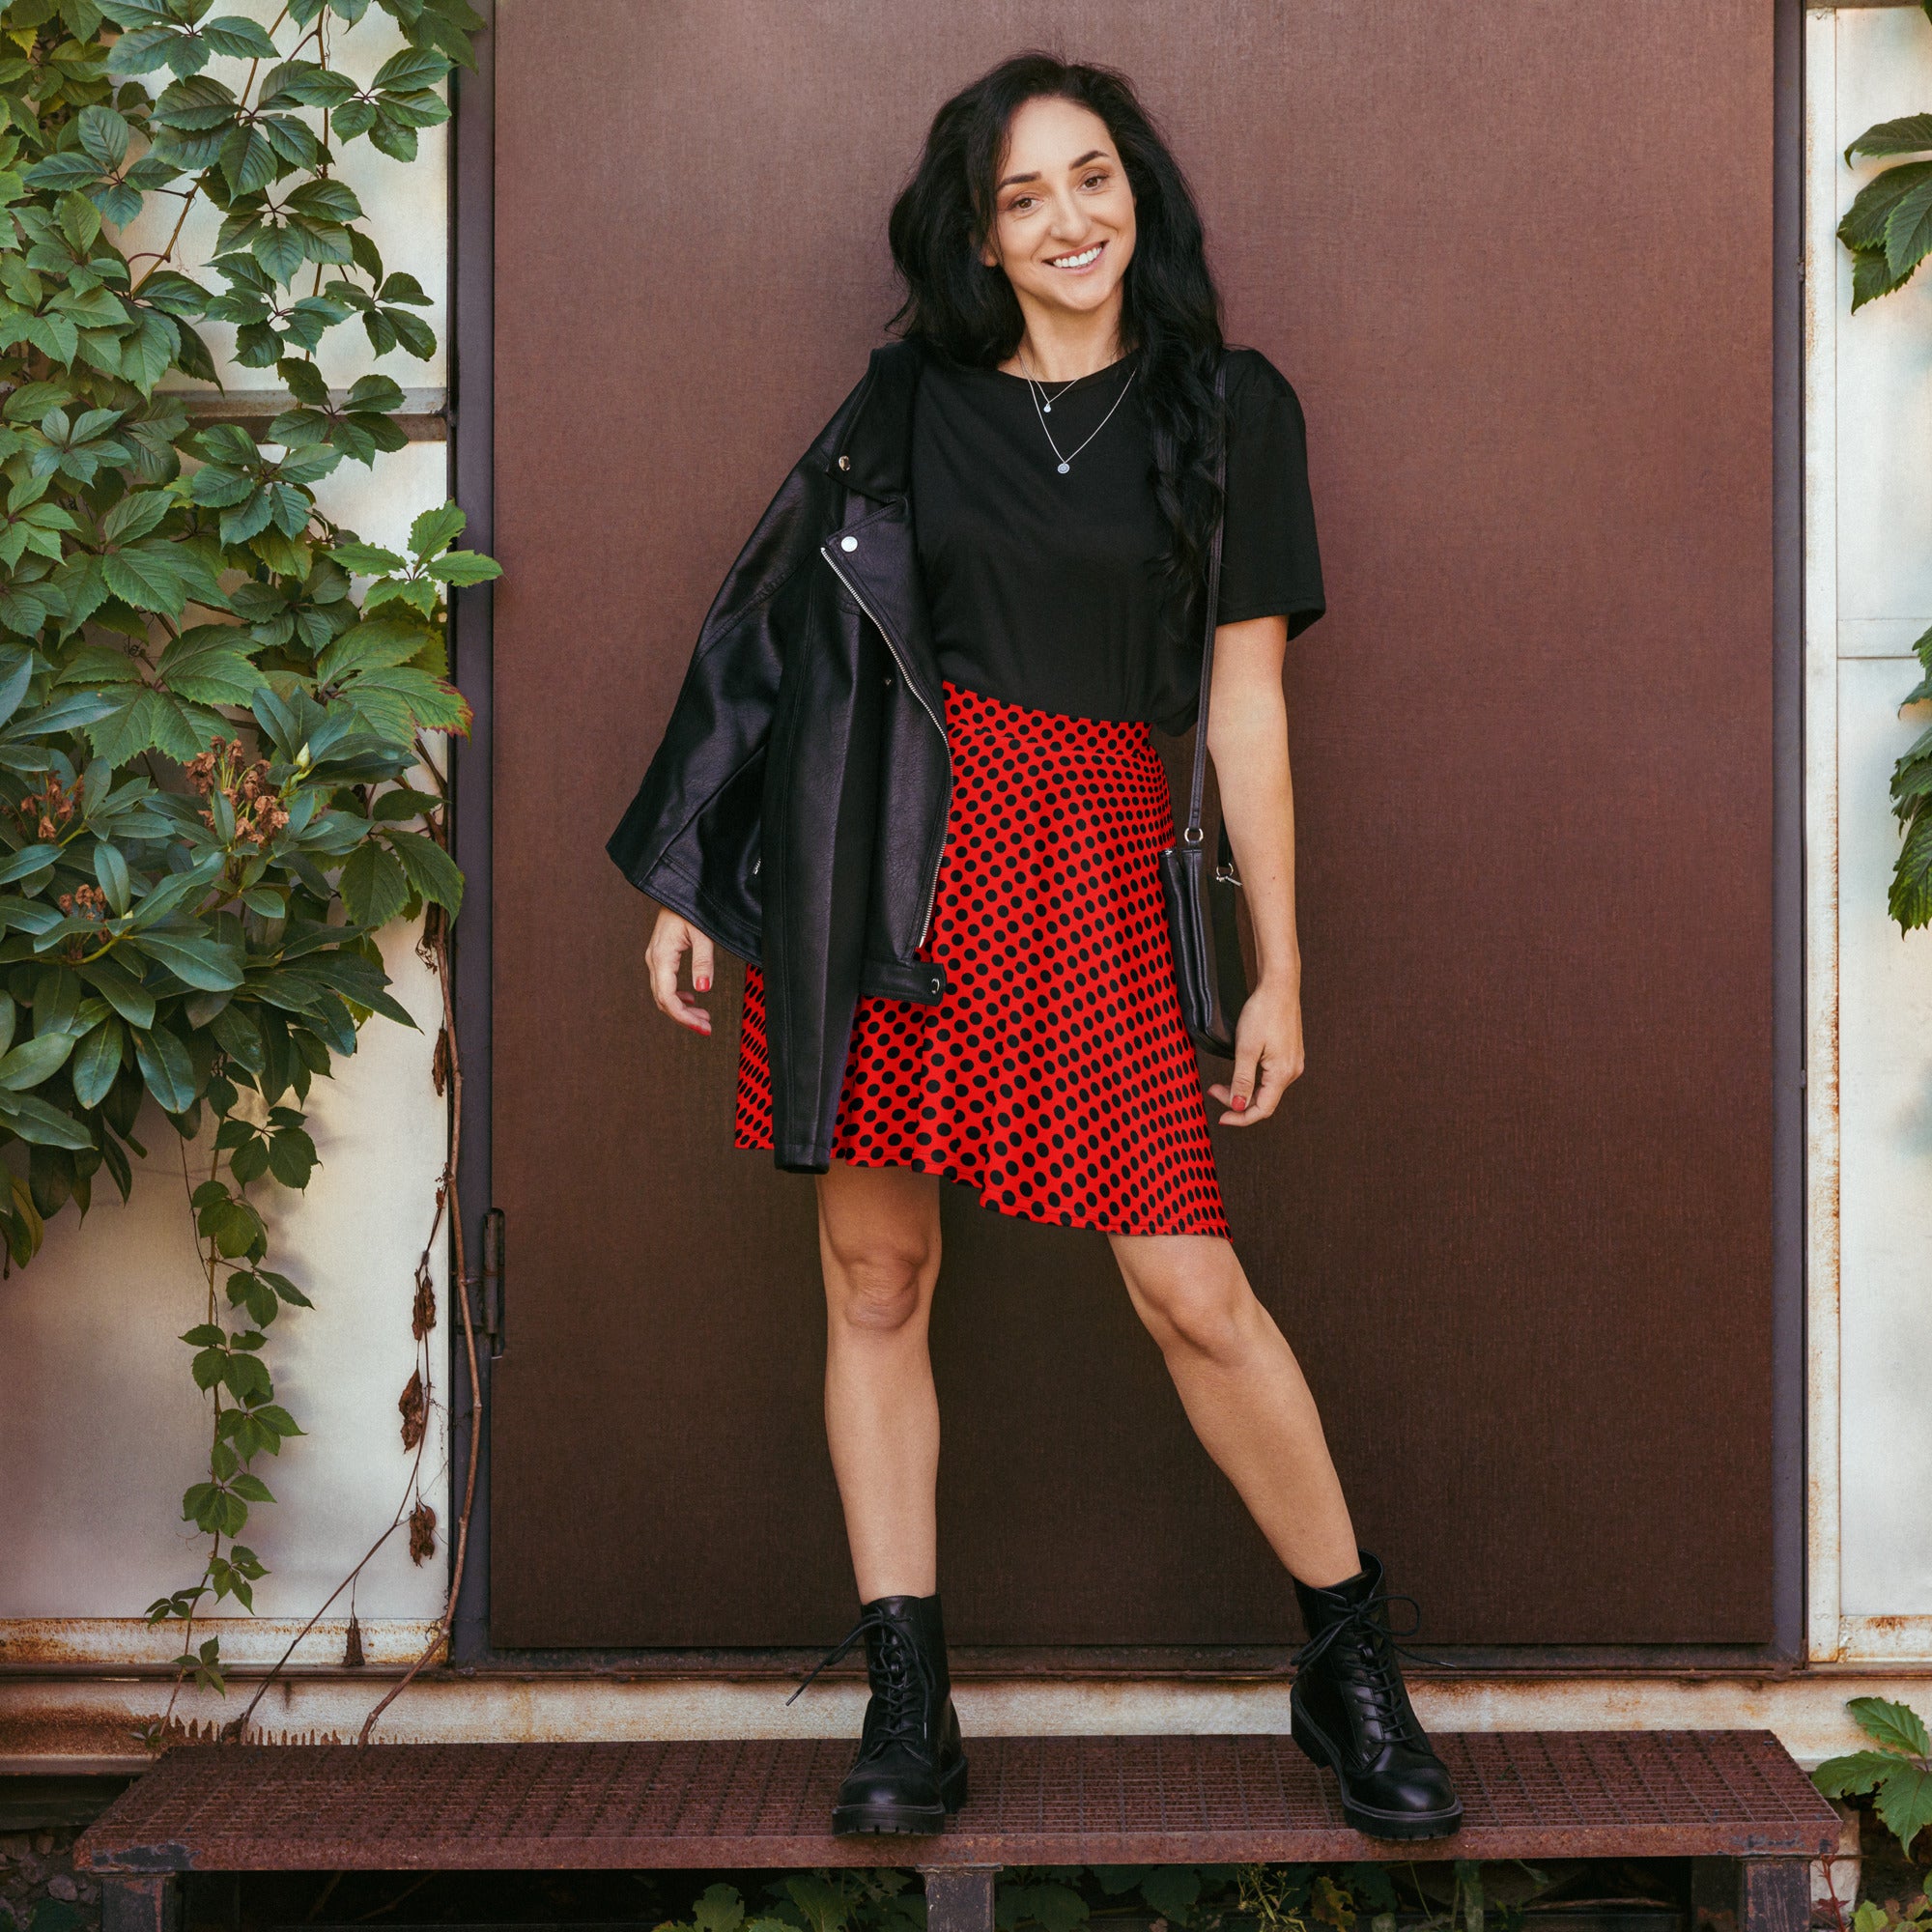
1869	594
100	1429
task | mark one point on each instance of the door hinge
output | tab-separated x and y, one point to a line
491	1281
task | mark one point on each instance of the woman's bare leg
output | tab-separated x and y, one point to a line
879	1238
1244	1394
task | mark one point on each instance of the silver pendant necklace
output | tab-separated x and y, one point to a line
1043	408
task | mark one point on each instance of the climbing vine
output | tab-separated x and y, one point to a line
1889	230
217	705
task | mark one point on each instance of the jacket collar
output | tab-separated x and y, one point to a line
875	456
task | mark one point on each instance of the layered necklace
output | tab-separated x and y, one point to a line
1042	408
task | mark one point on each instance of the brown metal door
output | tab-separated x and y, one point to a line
1517	1217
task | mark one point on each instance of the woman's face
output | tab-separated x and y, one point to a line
1062	211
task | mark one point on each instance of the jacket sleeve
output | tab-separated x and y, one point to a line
821	821
691	836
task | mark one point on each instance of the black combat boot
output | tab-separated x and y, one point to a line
1350	1711
910	1769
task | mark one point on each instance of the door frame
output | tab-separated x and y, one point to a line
471	388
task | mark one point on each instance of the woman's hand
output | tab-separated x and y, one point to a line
670	939
1268	1055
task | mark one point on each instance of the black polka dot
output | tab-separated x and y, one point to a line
1059	976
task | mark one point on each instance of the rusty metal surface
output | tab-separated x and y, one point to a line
1542	699
423	418
1035	1801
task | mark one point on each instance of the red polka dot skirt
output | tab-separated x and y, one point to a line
1054	1077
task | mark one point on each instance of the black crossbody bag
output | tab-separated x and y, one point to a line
1201	902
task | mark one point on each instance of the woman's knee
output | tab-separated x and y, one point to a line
878	1235
878	1284
1200	1303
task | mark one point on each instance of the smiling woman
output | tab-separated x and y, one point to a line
923	798
1063	231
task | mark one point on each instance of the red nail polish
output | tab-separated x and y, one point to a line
1241	1102
704	985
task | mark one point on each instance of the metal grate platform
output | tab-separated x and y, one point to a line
1035	1801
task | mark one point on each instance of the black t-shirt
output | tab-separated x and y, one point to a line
1042	587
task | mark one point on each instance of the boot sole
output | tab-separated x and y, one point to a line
912	1821
1366	1818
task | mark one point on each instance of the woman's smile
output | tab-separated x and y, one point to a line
1073	264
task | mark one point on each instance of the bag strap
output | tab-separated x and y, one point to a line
1192	834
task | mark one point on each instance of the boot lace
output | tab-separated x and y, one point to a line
898	1674
1369	1650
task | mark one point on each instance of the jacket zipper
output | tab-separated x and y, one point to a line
898	658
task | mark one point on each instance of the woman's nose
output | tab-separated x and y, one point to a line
1069	221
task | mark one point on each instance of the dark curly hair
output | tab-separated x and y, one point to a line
1171	312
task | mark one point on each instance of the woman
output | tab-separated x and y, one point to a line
910	779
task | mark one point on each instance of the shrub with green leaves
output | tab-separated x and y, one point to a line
1891	1915
215	777
1361	1897
1899	1773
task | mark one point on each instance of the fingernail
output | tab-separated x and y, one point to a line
1241	1101
704	985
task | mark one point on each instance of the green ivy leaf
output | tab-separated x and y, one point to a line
292	1158
430	871
1871	277
438	530
209	665
1907	230
1855	1772
1897	1727
366	559
1910	134
1865	222
374	886
1904	1803
464	566
237	37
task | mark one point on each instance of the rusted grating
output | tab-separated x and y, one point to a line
1035	1801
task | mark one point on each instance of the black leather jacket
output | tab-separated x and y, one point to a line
796	808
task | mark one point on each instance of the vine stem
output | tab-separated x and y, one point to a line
187	1634
450	1171
194	193
236	1728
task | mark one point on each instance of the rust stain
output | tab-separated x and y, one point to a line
171	1857
1578	1794
77	1731
105	1648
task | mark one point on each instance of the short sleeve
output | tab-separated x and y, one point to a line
1270	565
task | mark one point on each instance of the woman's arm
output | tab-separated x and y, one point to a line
1247	737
